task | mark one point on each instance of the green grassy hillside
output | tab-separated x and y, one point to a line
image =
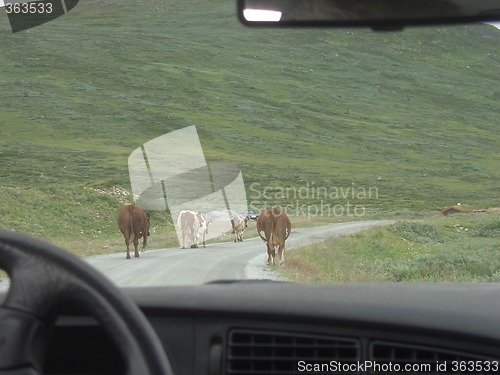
413	114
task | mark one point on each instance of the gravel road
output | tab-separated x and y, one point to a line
221	261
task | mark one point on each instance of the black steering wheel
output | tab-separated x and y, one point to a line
43	277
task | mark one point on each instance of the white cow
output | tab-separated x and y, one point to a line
193	226
203	228
239	223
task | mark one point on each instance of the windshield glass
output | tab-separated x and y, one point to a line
381	149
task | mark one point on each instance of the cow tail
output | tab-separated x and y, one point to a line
131	229
273	228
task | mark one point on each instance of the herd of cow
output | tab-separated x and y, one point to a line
273	227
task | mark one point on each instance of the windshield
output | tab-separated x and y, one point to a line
381	149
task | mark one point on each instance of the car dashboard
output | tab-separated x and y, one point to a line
262	327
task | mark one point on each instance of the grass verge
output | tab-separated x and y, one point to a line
458	248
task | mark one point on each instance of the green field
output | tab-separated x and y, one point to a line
412	114
459	248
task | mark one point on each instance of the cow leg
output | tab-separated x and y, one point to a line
281	253
270	254
144	244
136	246
127	242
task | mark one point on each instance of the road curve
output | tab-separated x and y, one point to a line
221	261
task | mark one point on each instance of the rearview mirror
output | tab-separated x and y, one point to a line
371	13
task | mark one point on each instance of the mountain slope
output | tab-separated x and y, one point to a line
412	114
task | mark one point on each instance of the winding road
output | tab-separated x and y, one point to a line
221	261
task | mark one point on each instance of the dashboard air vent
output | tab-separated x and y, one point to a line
265	352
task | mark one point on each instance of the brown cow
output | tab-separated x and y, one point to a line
274	227
134	224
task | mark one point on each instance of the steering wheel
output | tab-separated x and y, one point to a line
44	277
